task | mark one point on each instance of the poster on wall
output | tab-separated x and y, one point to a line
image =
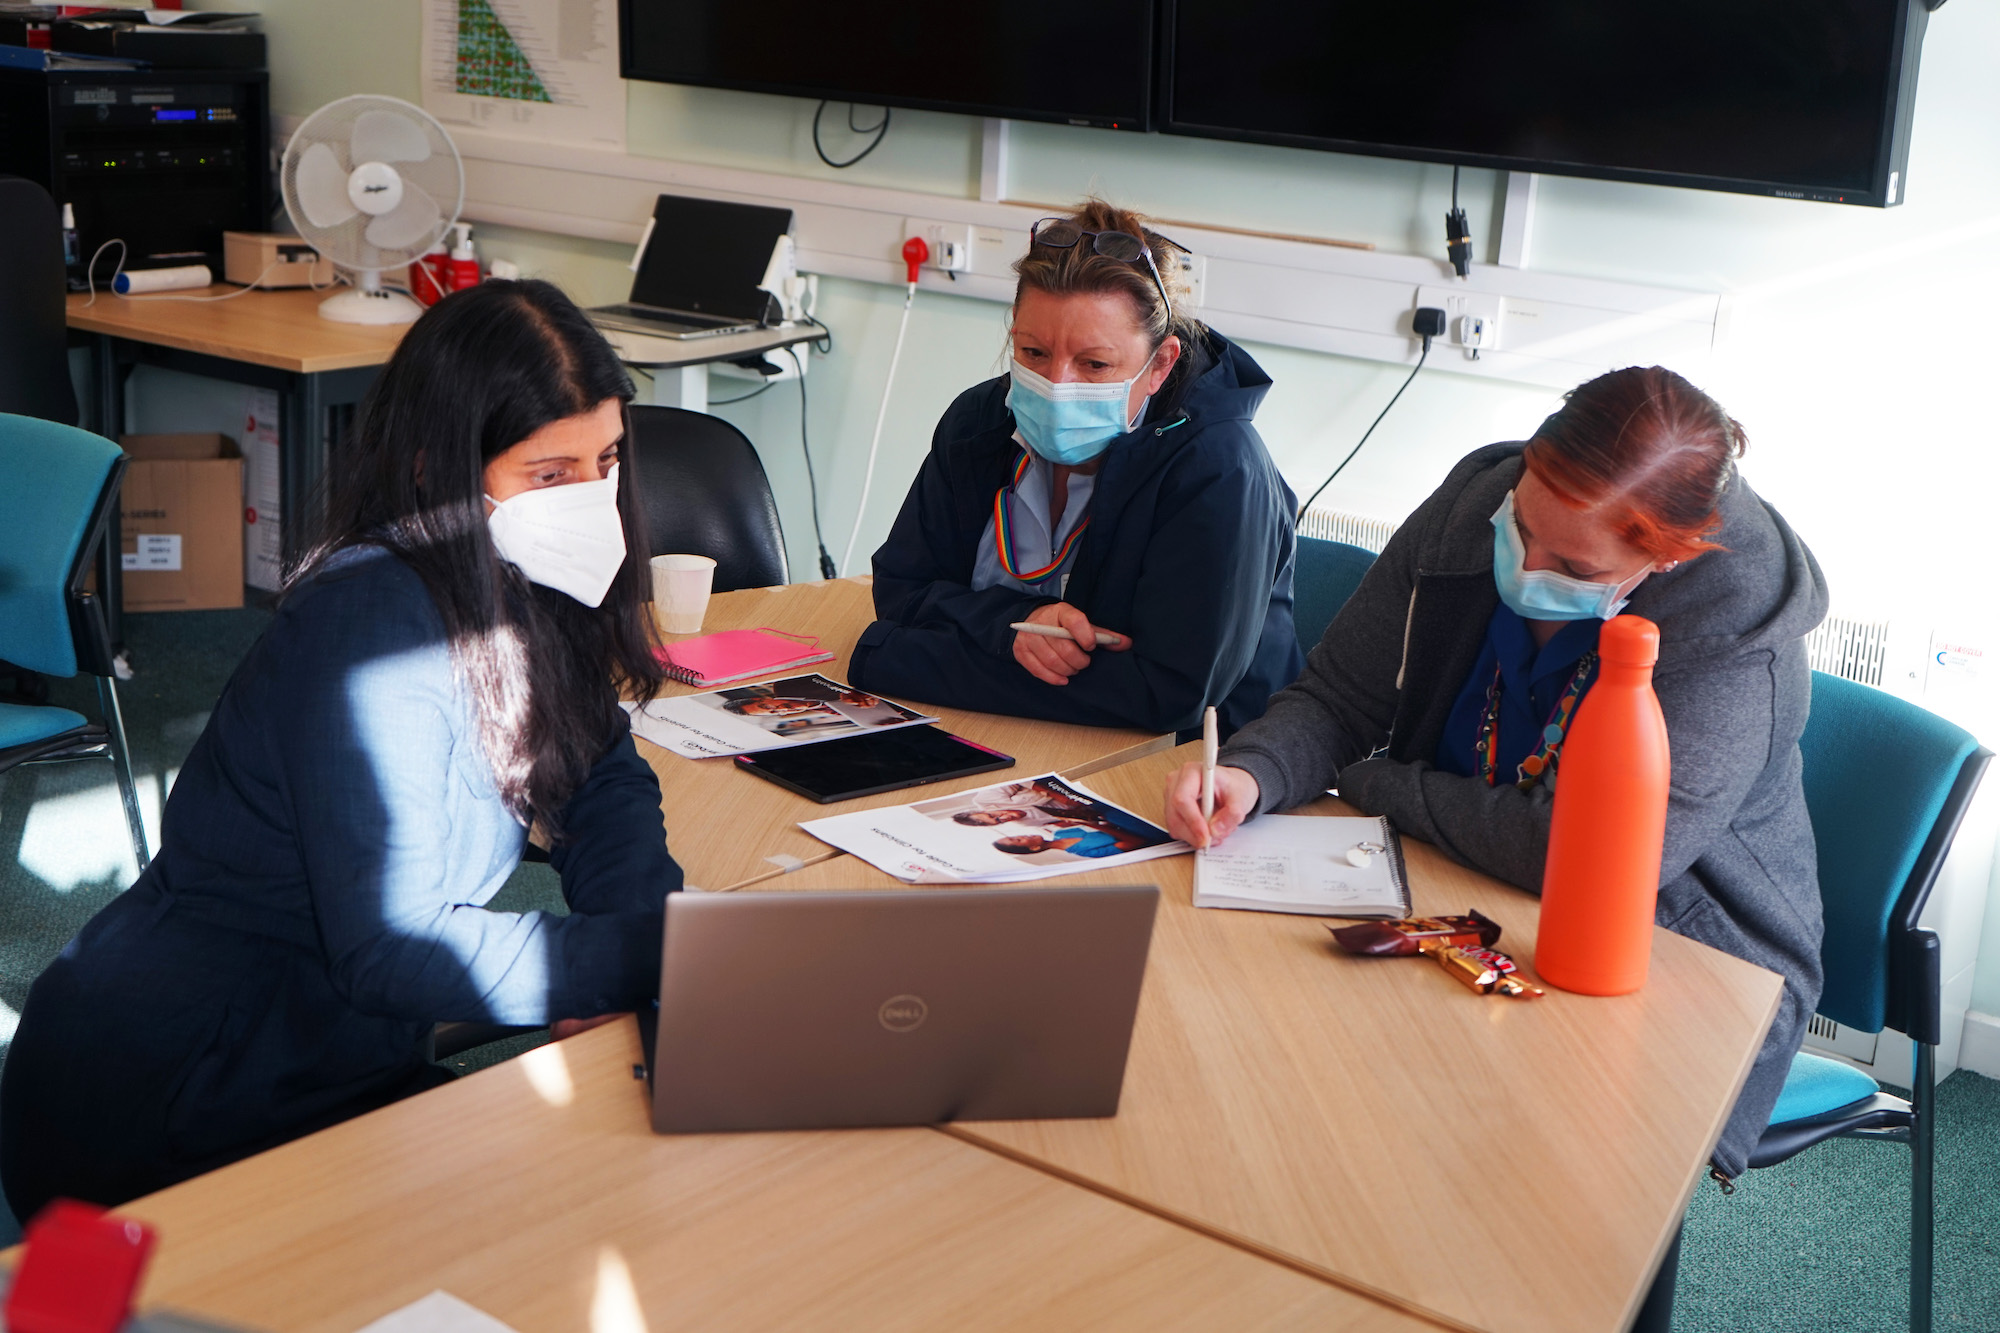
537	69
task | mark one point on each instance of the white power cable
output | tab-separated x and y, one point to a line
881	415
90	279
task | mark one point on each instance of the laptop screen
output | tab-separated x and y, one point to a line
707	257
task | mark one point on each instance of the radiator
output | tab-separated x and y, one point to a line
1370	534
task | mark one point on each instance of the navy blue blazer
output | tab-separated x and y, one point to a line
1189	551
316	906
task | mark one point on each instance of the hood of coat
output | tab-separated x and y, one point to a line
1763	589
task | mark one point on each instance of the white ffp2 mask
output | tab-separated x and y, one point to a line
569	538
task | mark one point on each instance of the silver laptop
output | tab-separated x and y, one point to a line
830	1010
699	269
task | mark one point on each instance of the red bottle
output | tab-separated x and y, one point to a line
427	276
1609	824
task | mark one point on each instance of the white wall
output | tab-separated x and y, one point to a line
1857	356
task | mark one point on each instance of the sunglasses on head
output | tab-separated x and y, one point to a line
1062	234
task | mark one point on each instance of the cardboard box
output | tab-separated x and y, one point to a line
181	516
271	260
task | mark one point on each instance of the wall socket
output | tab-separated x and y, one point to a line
950	243
1471	319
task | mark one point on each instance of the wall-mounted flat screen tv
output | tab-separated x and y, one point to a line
1085	66
1796	98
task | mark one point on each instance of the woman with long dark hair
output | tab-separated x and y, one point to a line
442	674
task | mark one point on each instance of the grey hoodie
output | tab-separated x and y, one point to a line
1738	871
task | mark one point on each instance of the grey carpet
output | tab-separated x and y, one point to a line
1816	1245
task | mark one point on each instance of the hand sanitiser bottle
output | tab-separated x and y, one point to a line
1609	824
464	270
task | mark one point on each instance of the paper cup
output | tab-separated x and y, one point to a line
681	585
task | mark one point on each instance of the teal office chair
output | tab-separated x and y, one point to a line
1325	575
55	511
1887	785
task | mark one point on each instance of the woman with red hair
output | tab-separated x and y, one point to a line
1440	693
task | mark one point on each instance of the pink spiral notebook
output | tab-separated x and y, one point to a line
738	654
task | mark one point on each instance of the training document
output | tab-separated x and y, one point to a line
770	715
1312	865
1034	828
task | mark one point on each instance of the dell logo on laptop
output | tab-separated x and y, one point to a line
903	1013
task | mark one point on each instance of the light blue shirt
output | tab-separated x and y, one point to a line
1034	544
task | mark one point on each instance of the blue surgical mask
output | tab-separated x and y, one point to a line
1070	423
1543	594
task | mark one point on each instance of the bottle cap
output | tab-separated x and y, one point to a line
69	217
1632	641
463	250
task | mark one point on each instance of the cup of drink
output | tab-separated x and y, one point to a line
681	585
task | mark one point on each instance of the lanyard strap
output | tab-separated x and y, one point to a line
1543	761
1004	535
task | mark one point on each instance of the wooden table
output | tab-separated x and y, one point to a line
723	824
1503	1164
537	1191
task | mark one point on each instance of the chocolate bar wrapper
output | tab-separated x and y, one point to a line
1480	969
1396	938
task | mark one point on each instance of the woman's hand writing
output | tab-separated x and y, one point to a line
1236	795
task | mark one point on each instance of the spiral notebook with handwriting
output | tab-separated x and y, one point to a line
1300	863
739	654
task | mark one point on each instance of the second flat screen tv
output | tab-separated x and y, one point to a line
1089	66
1796	98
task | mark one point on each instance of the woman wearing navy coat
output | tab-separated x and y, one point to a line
1111	481
438	677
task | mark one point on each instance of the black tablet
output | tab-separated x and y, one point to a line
864	765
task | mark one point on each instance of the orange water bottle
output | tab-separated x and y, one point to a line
1609	824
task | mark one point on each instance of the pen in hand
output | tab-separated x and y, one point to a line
1104	637
1209	746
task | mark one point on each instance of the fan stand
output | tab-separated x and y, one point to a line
369	302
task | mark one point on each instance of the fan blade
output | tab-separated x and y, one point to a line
408	224
321	186
384	136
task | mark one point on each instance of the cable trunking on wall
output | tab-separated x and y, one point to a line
1534	327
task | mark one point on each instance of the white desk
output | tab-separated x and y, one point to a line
679	366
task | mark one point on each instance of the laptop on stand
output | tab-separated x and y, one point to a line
698	270
784	1010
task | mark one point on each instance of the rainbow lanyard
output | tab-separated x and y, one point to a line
1543	761
1004	537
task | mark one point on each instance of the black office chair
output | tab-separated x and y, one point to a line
705	493
34	340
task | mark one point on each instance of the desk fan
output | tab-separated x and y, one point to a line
371	183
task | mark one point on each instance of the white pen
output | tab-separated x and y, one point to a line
1104	636
1209	745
